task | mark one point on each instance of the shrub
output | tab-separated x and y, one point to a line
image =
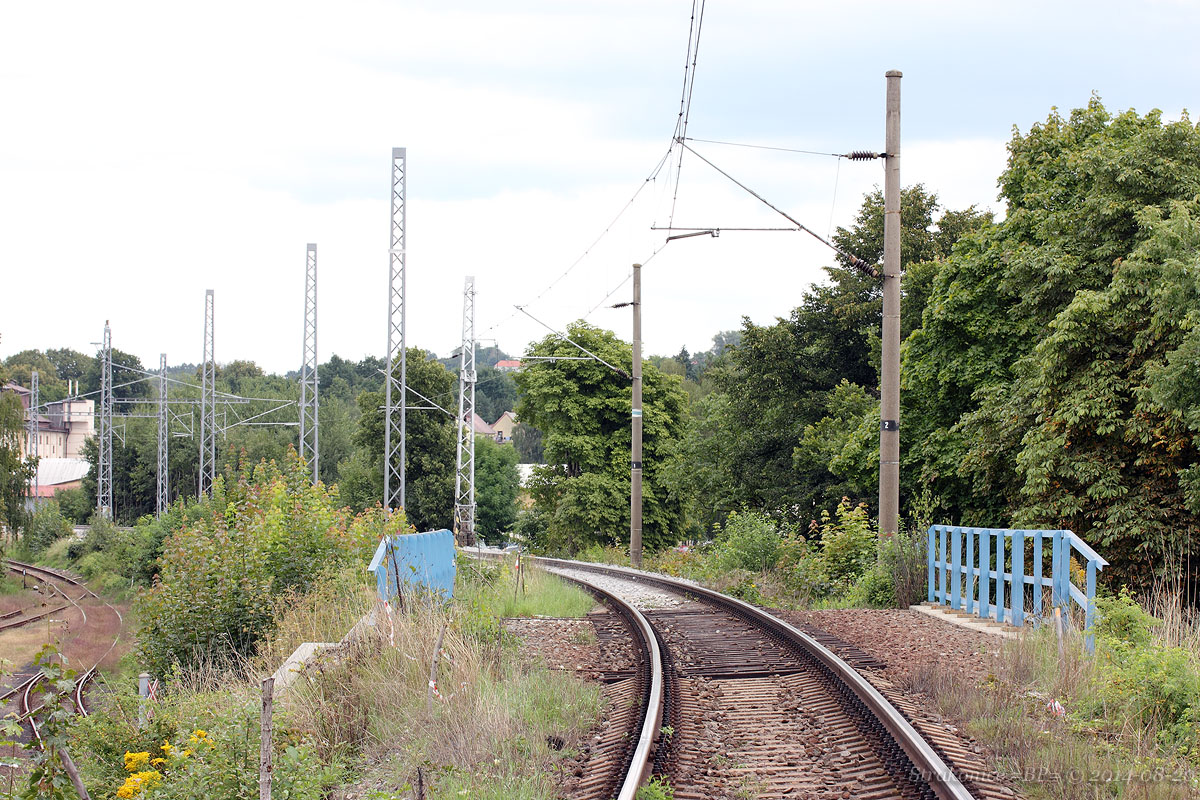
848	545
47	526
270	532
1121	619
750	541
875	588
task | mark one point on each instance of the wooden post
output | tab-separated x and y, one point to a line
437	649
73	774
264	755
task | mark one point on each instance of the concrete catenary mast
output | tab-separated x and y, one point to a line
309	405
464	480
396	391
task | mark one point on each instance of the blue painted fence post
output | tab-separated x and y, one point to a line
985	573
930	558
943	534
999	576
1090	615
956	569
970	588
1037	575
1017	592
1055	568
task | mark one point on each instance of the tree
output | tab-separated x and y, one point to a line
783	383
1106	456
495	393
582	409
528	442
497	483
15	470
429	448
1086	194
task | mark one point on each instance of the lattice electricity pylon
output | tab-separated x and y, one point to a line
309	406
208	403
34	429
162	501
396	392
464	476
104	471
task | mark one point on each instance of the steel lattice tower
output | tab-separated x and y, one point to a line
208	403
104	471
34	430
309	405
162	501
396	393
464	479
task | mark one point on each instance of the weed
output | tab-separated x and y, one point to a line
656	789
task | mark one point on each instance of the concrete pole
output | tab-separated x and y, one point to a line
889	390
635	474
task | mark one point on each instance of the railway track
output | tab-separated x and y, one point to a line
22	692
755	707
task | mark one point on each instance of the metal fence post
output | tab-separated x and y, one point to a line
955	568
999	576
969	592
1017	591
1055	568
1090	613
943	534
929	558
1038	545
985	573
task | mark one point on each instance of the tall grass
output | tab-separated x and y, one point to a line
1131	721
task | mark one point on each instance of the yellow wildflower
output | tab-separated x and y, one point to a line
158	762
198	738
167	747
136	761
187	753
138	783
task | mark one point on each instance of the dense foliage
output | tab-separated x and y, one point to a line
583	410
265	531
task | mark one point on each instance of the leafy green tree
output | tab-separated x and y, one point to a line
495	393
528	442
20	367
15	470
1105	456
582	409
429	449
497	483
781	382
1086	194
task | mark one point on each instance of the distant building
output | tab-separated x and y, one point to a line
508	365
62	427
481	427
504	426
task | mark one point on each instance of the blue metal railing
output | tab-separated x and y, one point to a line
966	564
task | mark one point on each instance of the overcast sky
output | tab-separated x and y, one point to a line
150	151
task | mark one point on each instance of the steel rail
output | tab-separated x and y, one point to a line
930	766
641	763
89	675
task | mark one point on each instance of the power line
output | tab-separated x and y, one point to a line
685	102
650	178
854	260
768	147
